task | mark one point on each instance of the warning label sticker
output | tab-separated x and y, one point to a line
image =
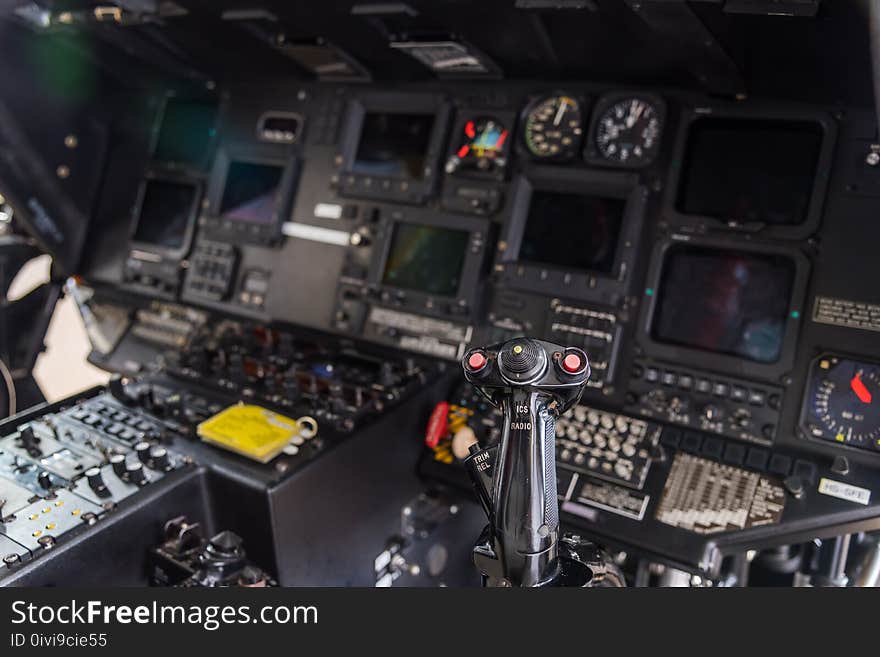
608	497
840	312
706	497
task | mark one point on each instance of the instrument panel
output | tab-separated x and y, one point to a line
448	212
691	246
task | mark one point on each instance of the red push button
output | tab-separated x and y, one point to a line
572	363
476	361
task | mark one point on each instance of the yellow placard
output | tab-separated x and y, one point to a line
249	430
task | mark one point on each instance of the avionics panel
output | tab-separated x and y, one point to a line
573	233
718	333
751	172
162	229
738	305
392	145
424	260
249	197
423	286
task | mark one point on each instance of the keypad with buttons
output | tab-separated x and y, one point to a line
212	270
614	447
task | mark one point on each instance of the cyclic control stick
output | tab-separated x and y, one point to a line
532	382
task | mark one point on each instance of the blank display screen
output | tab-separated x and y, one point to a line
251	192
727	302
572	231
394	145
165	213
186	132
750	171
426	259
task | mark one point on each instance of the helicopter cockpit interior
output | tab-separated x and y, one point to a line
368	276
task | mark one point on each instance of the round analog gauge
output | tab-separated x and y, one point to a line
628	132
482	147
554	127
843	405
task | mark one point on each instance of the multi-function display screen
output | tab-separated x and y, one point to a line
724	301
186	132
572	231
426	259
165	212
393	145
251	192
750	171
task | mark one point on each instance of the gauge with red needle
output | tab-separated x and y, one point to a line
858	386
482	147
843	403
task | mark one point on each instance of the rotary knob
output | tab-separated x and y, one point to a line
96	481
135	474
142	449
159	459
117	462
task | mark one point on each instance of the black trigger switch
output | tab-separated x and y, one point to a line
794	485
840	465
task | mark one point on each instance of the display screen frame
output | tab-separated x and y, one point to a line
408	190
468	287
758	113
164	251
724	363
595	286
283	200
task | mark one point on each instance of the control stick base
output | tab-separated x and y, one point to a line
579	564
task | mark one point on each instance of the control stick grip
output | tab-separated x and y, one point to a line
526	508
532	382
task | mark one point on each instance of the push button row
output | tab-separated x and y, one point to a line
754	458
722	389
